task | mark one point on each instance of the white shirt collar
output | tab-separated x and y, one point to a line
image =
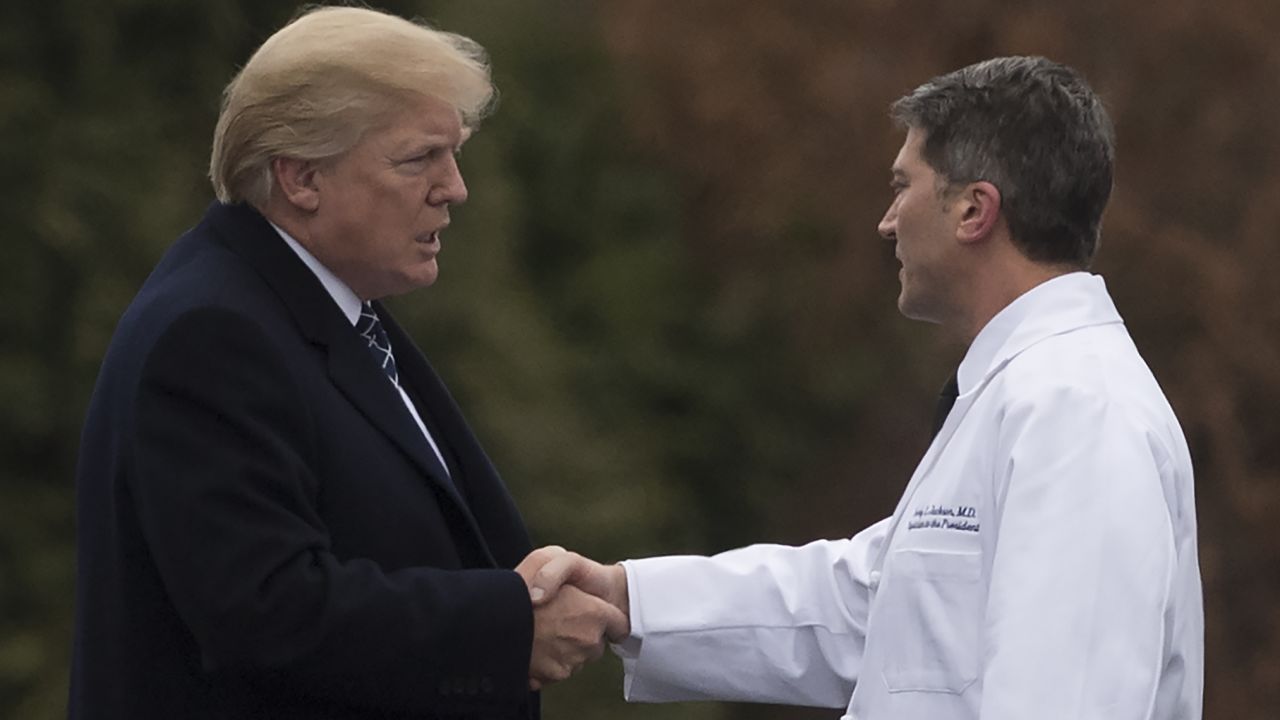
344	296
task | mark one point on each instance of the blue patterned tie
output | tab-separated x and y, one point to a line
370	328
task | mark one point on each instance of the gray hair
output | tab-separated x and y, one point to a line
313	89
1035	130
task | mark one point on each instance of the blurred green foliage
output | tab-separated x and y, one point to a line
570	319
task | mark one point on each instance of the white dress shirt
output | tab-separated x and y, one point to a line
1041	563
350	305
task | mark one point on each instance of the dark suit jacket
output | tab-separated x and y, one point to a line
260	531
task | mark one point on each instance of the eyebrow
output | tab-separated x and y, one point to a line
422	144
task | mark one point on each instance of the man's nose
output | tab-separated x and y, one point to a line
452	189
888	227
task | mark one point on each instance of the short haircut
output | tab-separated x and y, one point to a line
1035	130
313	90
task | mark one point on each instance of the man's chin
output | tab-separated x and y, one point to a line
408	282
912	309
422	276
905	306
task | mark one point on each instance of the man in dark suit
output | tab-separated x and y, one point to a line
281	511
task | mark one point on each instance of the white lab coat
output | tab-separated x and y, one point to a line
1040	564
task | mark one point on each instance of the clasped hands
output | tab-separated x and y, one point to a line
578	604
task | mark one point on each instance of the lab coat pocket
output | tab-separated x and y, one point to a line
933	603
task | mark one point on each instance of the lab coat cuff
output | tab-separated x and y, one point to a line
629	648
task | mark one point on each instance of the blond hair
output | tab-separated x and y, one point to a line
314	88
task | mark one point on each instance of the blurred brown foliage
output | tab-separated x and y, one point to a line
776	111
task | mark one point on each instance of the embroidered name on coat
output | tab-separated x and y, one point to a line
962	518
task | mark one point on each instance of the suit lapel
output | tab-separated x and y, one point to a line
493	513
350	366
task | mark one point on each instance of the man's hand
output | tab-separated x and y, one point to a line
569	625
568	632
557	567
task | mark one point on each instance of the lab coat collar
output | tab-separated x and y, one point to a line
1062	304
1065	303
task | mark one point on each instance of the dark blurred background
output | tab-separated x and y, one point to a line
665	308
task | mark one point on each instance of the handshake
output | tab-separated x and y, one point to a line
577	605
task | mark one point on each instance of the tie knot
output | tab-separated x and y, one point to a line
951	390
368	324
370	328
946	399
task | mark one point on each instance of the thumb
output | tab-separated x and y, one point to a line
563	568
617	626
536	559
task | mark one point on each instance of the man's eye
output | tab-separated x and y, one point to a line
428	156
433	155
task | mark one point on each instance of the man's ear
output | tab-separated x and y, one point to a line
297	182
979	211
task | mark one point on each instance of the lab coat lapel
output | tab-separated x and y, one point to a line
958	411
1072	301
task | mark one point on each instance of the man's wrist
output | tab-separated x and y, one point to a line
619	596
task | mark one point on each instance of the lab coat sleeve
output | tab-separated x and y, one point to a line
765	623
1082	573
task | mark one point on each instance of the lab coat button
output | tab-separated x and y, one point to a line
874	579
